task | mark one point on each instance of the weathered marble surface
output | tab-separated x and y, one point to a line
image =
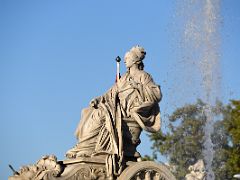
113	122
109	132
46	168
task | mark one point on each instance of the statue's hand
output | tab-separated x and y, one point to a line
134	84
94	102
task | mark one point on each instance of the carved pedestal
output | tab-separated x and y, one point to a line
48	168
71	169
83	168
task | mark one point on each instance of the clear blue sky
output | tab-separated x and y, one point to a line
56	55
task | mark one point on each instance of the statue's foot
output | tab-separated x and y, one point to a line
71	154
76	152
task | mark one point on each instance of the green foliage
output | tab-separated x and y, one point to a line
221	148
147	158
232	125
183	143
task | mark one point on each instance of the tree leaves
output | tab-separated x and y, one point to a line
182	144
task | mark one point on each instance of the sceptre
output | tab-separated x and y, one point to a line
118	76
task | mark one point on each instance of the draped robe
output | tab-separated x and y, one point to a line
100	129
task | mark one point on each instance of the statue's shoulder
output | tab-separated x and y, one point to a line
143	76
140	77
144	73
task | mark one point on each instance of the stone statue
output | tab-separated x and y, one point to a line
109	130
113	122
197	171
45	168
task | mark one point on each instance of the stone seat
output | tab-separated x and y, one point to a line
82	168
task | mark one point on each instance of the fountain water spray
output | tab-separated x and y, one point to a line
200	20
209	68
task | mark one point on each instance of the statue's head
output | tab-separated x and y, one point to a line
134	56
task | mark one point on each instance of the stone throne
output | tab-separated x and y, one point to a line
109	132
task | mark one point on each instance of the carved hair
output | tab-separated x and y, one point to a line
141	66
139	52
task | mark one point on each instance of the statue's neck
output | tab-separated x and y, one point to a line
133	70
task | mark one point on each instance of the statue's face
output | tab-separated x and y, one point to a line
128	60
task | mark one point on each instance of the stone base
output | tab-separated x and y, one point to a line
86	168
81	168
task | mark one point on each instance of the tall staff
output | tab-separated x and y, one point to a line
118	76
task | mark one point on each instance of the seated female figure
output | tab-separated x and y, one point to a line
113	122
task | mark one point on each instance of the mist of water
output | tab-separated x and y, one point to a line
199	22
